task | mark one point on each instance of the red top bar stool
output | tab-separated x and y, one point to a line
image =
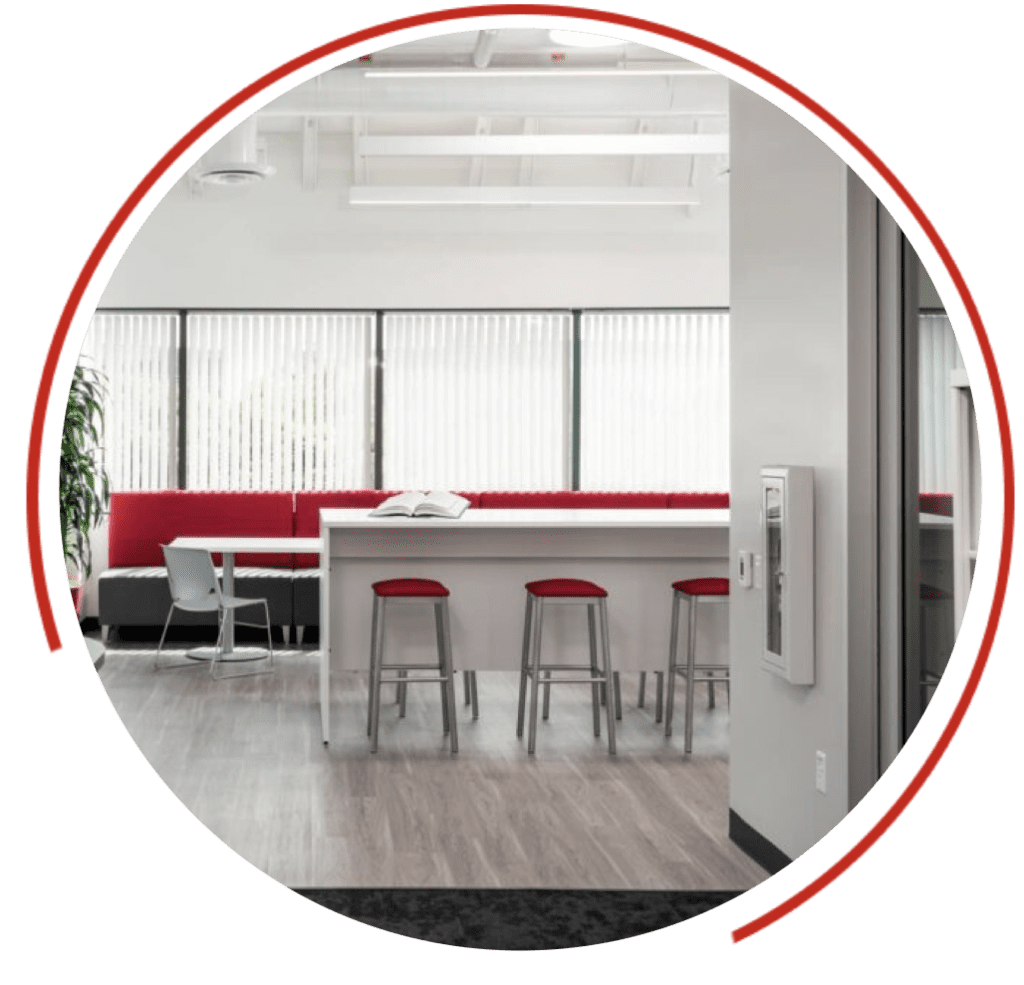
416	591
565	591
691	590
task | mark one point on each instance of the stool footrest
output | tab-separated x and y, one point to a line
572	680
409	667
412	680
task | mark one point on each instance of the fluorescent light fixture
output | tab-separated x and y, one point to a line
518	195
575	39
533	145
610	72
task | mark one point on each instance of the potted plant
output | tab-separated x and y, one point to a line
84	485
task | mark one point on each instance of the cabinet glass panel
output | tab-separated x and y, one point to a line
773	546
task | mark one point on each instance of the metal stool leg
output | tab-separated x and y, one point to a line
473	696
606	652
465	687
711	692
375	663
534	684
523	667
659	705
643	685
673	648
446	718
595	689
449	674
690	659
547	694
401	689
618	695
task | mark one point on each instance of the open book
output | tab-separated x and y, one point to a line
444	504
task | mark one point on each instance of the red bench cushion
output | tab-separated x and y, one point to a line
140	522
565	588
698	501
410	588
937	503
566	499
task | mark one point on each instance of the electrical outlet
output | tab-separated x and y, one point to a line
819	771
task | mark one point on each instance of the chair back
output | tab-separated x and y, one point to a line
190	573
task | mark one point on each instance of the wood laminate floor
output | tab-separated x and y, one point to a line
246	757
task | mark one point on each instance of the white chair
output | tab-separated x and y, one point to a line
195	588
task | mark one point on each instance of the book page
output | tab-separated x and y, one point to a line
404	504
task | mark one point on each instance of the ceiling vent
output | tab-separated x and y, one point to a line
235	160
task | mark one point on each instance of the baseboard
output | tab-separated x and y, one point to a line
756	845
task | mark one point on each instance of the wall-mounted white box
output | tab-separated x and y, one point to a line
787	542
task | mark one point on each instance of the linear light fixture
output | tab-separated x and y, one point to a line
518	195
533	145
610	72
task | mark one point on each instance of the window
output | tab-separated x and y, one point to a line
477	400
138	354
654	401
279	400
937	355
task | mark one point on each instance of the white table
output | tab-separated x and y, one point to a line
485	558
229	547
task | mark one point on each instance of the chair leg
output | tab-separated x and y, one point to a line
618	695
286	634
523	666
673	649
473	695
465	688
400	690
270	643
643	685
217	646
711	693
690	660
535	675
299	631
160	645
595	689
104	634
547	694
606	653
376	660
659	704
449	674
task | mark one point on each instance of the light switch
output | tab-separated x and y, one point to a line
744	574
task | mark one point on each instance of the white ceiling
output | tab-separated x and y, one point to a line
635	99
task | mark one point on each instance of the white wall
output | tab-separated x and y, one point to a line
276	245
801	273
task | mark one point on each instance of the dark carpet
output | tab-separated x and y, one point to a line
517	919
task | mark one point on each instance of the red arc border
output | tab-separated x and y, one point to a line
101	247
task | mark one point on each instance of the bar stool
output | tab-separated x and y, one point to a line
691	590
404	591
564	591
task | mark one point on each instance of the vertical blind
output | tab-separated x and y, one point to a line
654	400
279	400
938	354
477	400
138	354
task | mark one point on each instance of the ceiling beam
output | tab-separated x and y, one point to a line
518	195
517	145
349	94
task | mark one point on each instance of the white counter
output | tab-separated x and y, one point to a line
485	558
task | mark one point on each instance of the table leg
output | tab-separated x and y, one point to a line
228	588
